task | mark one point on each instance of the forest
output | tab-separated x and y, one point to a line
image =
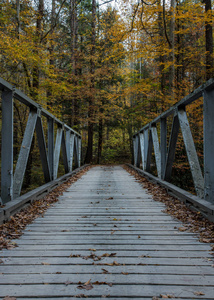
106	68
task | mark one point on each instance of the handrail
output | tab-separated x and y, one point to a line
67	140
147	138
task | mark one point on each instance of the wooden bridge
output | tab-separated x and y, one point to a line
106	237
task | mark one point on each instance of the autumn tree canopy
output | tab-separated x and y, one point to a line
106	70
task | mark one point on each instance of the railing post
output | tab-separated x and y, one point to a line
149	151
209	145
138	151
146	145
163	145
134	150
51	146
80	151
141	146
7	146
57	148
156	148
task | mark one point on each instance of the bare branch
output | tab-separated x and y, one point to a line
106	2
164	23
55	23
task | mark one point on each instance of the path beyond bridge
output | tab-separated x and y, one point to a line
107	238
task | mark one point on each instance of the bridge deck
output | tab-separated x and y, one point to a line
107	230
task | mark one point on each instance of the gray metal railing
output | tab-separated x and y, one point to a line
148	137
67	140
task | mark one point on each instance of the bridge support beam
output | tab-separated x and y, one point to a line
163	145
7	146
209	145
51	146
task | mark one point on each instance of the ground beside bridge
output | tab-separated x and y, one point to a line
107	238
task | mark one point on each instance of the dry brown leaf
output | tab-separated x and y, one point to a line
9	298
74	255
91	249
45	263
87	282
182	228
109	254
105	271
85	287
199	293
166	296
124	273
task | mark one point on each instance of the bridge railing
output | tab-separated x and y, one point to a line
65	139
147	138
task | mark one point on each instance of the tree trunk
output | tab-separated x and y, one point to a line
35	71
100	140
172	53
89	153
51	50
209	42
162	57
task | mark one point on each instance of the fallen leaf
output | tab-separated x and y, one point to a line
74	255
199	293
124	273
113	264
105	271
58	272
139	236
109	254
182	228
166	296
9	298
87	282
45	263
91	249
87	286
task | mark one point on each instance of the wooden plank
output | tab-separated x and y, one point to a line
157	257
17	252
91	269
59	290
86	260
114	278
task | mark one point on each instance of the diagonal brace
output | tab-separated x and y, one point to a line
42	149
191	153
24	154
